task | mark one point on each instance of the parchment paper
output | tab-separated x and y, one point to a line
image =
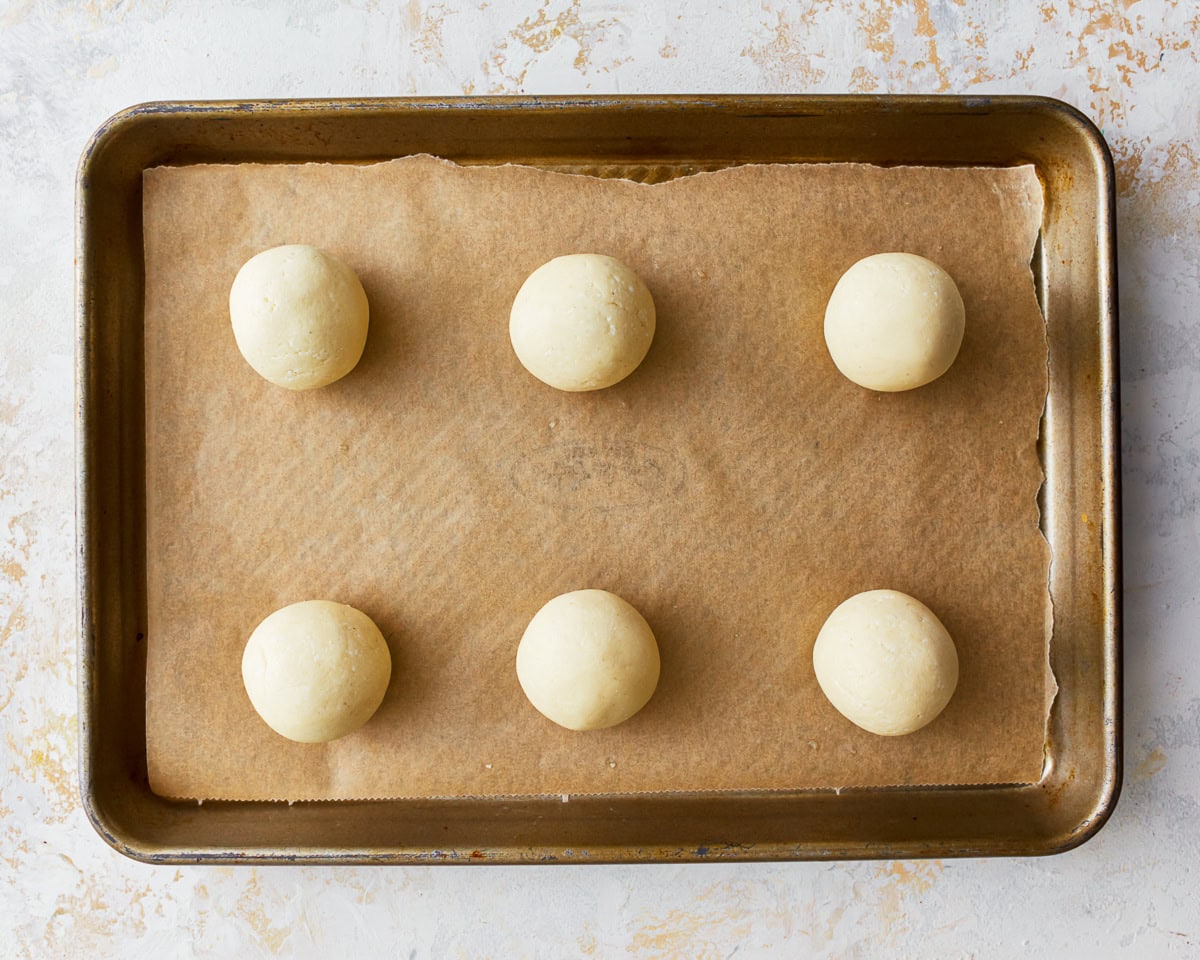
735	488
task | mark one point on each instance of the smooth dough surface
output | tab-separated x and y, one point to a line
894	322
299	316
582	322
885	662
316	670
588	660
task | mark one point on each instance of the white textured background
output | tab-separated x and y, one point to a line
1131	65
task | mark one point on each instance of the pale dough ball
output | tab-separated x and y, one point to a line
299	316
894	322
582	322
886	662
316	670
588	660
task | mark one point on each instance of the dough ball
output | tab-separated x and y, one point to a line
582	322
886	662
299	316
316	670
894	322
588	660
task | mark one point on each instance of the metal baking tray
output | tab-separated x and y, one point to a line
646	138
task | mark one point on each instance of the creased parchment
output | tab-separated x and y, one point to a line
735	488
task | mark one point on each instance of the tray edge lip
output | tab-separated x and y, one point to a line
792	104
1107	793
84	390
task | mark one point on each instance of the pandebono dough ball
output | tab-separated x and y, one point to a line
582	322
299	316
316	670
588	660
886	662
894	322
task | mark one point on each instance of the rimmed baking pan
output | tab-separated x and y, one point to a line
641	138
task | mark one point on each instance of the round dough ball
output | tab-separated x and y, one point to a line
316	670
588	660
582	322
894	322
299	316
886	662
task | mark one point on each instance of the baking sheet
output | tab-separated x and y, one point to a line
735	488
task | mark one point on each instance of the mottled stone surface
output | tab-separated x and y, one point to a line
1132	66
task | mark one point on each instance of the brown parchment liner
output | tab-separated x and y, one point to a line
735	488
